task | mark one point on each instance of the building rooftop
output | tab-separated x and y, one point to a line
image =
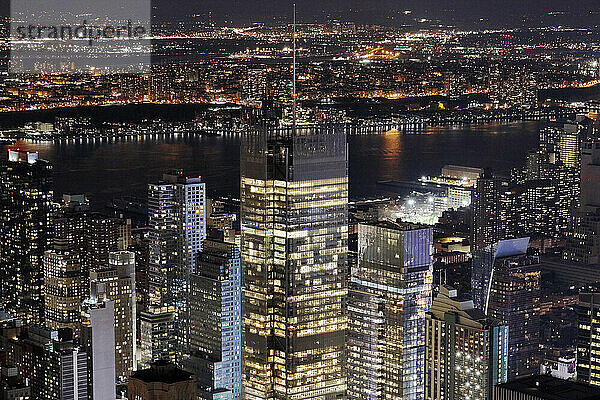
164	372
399	226
549	388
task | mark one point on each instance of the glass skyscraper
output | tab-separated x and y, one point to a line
215	321
390	293
177	220
294	222
506	286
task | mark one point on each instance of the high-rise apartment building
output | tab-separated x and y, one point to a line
64	282
118	280
90	235
390	293
467	352
215	320
98	316
294	222
25	223
486	211
506	285
556	163
177	220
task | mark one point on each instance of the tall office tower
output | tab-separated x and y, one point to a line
25	223
467	352
139	246
583	236
55	368
486	211
390	293
215	320
294	222
124	238
64	282
177	220
118	279
98	315
588	338
506	286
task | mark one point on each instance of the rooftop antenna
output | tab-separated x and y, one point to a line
294	77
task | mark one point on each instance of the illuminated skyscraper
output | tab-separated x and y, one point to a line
177	220
215	320
390	292
486	211
556	165
118	278
294	216
25	223
467	352
64	281
506	286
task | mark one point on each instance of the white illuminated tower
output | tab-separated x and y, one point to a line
177	219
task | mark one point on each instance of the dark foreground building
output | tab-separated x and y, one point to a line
544	387
162	381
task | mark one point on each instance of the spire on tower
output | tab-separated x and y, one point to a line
294	76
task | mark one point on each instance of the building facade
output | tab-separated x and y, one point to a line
390	293
162	381
177	220
118	278
588	338
98	316
486	211
294	222
64	282
25	223
506	286
467	352
215	320
55	368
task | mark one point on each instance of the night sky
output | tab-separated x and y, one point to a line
476	13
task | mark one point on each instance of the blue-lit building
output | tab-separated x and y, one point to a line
215	321
506	286
177	221
389	295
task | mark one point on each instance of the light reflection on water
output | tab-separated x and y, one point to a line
107	168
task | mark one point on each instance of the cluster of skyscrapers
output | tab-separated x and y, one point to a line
288	307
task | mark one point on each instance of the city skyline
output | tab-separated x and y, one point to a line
315	201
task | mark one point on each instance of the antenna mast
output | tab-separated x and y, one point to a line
294	77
